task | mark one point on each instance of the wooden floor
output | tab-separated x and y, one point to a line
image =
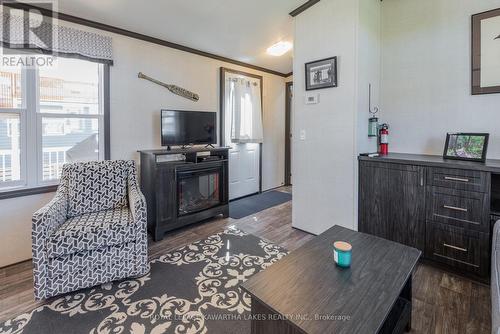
443	302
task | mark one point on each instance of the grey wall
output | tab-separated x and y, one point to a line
323	162
368	52
426	75
136	104
417	56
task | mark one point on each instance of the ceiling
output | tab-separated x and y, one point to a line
236	29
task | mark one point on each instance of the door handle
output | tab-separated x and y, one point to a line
455	208
459	179
455	247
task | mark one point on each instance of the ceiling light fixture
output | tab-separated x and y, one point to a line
279	49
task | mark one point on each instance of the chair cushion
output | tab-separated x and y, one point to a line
92	231
118	255
96	186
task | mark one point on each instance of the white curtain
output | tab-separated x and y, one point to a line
244	108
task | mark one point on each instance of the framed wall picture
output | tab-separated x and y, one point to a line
321	74
486	52
466	146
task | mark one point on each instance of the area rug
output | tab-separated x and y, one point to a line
250	205
191	290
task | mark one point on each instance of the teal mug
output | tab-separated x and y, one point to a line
342	253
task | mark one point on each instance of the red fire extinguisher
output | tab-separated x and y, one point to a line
384	139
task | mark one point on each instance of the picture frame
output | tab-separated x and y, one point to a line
466	146
485	52
320	74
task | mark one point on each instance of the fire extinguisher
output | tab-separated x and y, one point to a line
384	139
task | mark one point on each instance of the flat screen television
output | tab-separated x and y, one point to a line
179	127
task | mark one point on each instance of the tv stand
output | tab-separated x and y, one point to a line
184	189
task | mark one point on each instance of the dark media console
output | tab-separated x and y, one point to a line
184	186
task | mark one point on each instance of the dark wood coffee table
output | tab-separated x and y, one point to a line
307	293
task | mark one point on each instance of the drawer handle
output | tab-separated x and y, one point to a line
455	208
459	179
455	247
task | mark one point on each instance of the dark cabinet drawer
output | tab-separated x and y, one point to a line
459	208
458	248
458	179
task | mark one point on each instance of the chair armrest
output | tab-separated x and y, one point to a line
137	201
47	219
138	210
137	204
44	222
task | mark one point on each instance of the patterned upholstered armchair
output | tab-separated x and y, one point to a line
93	231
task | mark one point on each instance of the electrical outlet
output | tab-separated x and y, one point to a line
302	134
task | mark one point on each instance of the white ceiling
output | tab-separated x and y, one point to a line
237	29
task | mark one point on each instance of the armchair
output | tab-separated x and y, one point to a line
92	232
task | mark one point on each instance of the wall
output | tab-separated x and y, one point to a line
135	110
417	56
368	70
323	162
141	109
15	226
368	54
426	75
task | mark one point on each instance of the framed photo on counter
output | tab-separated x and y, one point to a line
466	146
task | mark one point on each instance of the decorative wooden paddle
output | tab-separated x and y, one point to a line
172	88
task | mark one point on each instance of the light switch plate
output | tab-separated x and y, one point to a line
312	98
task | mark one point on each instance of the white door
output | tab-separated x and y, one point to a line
242	94
244	173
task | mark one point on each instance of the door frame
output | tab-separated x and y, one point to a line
288	133
222	90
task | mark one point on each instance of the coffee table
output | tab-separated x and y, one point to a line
306	292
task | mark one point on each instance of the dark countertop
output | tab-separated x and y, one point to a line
183	150
435	161
308	282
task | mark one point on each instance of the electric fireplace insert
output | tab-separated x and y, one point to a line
198	190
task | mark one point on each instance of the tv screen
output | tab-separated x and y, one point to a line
180	127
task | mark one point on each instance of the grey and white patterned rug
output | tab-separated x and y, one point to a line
191	290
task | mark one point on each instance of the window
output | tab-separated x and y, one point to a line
11	113
49	116
10	150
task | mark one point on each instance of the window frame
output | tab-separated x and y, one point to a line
31	178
